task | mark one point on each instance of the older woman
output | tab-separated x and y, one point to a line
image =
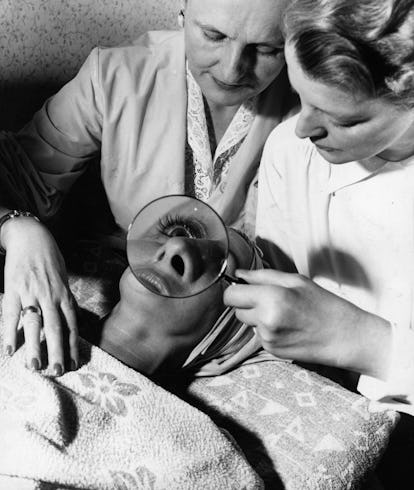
176	112
336	200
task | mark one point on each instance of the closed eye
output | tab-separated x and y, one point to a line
213	35
346	124
268	50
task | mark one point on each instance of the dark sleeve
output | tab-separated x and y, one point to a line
66	133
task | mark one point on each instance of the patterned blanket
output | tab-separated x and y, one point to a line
297	429
106	426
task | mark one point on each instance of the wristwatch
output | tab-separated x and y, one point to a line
11	215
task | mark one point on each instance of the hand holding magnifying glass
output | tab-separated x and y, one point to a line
178	246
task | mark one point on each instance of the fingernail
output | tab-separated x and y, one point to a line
57	368
9	350
73	365
34	364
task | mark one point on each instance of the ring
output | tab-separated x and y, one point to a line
32	309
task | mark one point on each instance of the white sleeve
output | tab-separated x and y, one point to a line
397	391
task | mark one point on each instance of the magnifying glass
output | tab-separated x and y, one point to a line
178	246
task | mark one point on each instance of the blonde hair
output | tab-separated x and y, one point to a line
361	46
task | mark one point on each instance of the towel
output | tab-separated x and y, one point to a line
106	426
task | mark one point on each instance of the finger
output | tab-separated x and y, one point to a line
248	295
11	309
247	316
52	325
69	312
251	317
32	324
268	276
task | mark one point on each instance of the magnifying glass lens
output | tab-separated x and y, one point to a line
177	246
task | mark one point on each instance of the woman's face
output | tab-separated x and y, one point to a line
234	48
173	254
146	330
177	246
346	127
194	313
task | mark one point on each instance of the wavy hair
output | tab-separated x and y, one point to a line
360	46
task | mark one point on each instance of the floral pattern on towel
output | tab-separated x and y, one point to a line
23	402
105	390
143	479
276	409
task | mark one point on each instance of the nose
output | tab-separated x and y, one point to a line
181	257
236	64
308	124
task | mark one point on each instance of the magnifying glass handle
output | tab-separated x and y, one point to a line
234	280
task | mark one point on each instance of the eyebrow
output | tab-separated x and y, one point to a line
339	117
278	44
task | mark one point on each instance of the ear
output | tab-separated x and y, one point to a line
180	17
240	248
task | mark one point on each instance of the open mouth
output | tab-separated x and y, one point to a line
153	282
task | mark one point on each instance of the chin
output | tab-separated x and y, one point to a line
227	98
336	157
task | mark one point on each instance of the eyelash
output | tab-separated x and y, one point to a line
213	36
345	125
191	228
218	37
273	53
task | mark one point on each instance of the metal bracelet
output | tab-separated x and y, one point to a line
11	215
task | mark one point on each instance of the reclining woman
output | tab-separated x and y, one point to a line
171	314
178	112
336	200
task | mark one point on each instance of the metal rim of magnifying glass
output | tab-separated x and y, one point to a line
220	275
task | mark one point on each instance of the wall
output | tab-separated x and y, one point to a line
44	42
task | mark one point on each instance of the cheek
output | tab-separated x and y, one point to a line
347	139
202	310
198	52
365	140
267	69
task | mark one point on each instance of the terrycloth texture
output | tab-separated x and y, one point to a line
298	429
107	427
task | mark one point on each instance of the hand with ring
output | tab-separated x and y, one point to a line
37	296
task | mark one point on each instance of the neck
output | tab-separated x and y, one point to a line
124	338
221	117
402	149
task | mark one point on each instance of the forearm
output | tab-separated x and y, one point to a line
366	346
21	185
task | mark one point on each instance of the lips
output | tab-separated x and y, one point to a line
230	86
324	148
153	281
